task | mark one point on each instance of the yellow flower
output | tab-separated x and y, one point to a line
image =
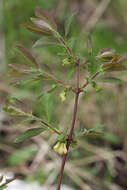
63	96
60	148
56	147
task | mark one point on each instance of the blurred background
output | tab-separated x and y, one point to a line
96	163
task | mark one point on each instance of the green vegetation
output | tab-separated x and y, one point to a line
40	86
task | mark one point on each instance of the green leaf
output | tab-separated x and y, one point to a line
112	80
68	23
112	138
70	72
92	64
61	137
96	87
89	44
89	133
45	42
28	134
21	155
94	134
73	143
11	110
3	187
48	105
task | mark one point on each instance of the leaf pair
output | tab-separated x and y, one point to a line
43	24
89	133
13	111
113	61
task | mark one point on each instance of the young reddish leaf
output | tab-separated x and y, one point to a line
20	68
41	24
114	62
28	134
46	16
15	71
114	67
106	54
37	30
28	54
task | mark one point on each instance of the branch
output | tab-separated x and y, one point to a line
72	125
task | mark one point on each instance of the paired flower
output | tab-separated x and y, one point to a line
60	148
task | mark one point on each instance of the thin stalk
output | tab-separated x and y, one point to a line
61	39
65	85
66	46
47	125
72	126
87	82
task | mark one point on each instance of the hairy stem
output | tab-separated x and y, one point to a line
72	126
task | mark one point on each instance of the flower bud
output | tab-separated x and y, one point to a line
65	149
63	96
60	148
56	147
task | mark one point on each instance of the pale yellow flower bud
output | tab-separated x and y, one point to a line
56	147
60	148
63	96
65	149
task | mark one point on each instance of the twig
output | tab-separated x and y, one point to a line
66	46
47	125
87	82
65	85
